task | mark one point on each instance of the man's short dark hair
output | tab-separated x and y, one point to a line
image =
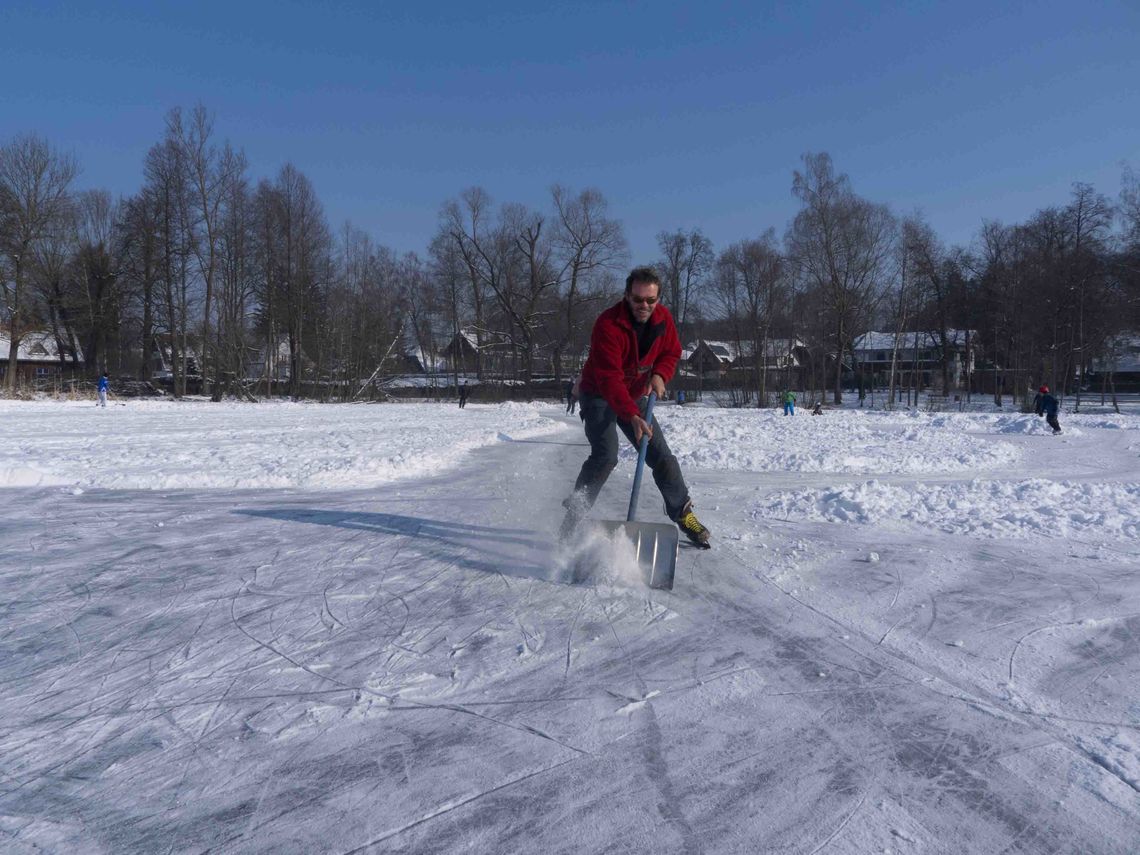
642	276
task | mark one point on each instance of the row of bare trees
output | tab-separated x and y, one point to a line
527	280
236	284
1039	300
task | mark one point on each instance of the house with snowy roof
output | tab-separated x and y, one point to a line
917	352
467	350
708	356
273	361
415	359
1118	367
39	357
162	360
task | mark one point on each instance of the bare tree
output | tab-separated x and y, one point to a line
526	252
423	309
168	186
50	275
449	274
1130	206
210	172
590	247
687	259
34	184
936	272
236	262
841	243
1089	216
748	287
465	222
96	272
1009	327
367	309
1128	262
141	261
304	263
900	310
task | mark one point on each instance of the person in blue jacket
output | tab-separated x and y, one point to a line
104	384
1049	406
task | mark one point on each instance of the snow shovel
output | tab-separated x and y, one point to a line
654	543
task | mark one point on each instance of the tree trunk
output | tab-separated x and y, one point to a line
14	325
839	363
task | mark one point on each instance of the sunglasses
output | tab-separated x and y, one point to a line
643	301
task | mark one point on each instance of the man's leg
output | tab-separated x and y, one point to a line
667	475
666	470
599	421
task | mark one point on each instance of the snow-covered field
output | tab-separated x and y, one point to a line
296	627
157	445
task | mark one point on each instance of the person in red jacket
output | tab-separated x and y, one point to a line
634	349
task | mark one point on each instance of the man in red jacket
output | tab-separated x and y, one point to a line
634	349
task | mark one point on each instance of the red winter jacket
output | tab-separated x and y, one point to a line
613	369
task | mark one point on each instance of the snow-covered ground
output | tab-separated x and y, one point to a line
296	627
158	445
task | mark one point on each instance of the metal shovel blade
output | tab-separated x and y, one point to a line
655	545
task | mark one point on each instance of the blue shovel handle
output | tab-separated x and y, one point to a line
641	449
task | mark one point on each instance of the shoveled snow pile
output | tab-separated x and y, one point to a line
849	441
1072	424
202	445
1019	424
1029	508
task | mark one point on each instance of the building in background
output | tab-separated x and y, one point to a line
39	362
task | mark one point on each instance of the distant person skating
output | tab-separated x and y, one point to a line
104	385
634	349
680	397
463	395
817	410
571	397
1049	406
1037	407
789	400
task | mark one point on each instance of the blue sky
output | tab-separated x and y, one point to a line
682	115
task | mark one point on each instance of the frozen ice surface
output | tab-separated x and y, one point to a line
291	627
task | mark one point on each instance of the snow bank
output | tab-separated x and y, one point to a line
200	445
1030	508
1027	423
171	445
849	442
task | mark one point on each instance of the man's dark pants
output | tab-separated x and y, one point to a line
601	430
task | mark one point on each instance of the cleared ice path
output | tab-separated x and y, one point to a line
400	669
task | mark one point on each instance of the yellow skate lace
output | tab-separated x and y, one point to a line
690	523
